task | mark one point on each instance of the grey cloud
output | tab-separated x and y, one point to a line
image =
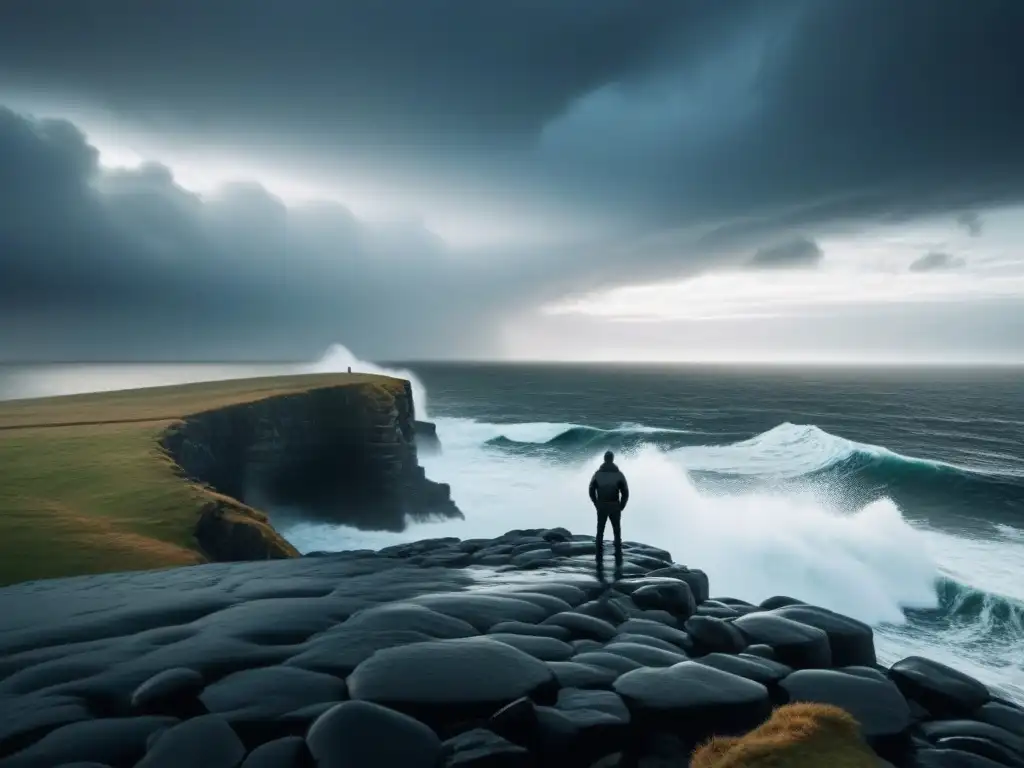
667	133
937	262
128	264
657	115
971	221
801	252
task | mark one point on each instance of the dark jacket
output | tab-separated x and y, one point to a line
609	485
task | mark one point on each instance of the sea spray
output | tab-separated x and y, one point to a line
868	564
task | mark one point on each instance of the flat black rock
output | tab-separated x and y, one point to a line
358	733
114	741
693	700
764	671
941	690
288	752
480	748
952	758
673	596
171	692
543	648
206	740
571	674
852	642
797	645
876	704
536	630
468	677
1002	715
712	635
582	627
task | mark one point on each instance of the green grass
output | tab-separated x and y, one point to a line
86	488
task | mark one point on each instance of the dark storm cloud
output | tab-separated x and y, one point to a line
128	264
801	252
686	129
937	262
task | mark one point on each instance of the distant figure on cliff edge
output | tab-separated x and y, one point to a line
610	493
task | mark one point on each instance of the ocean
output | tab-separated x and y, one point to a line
892	495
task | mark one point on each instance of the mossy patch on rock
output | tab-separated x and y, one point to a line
799	735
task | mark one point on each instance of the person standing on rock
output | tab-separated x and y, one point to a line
610	493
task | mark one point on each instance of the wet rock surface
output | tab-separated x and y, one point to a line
500	652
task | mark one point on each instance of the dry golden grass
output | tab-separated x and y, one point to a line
800	735
86	488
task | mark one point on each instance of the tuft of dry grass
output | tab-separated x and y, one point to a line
86	488
799	735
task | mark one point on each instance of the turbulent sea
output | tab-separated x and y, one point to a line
892	495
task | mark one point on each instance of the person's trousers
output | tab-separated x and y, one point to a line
609	511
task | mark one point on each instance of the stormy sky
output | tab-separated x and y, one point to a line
582	179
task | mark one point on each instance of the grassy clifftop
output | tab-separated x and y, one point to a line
86	488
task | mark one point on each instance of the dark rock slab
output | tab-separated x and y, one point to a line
572	674
982	748
608	608
760	649
1002	715
586	646
694	700
717	611
852	642
535	630
651	642
26	719
344	648
779	601
481	748
582	626
659	630
271	691
550	603
112	741
206	740
767	673
612	661
289	752
358	733
483	611
945	729
171	692
451	680
577	737
409	617
797	645
710	635
877	705
258	702
673	596
516	722
952	758
645	655
543	648
608	702
941	690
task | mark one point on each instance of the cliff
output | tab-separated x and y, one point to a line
346	454
177	475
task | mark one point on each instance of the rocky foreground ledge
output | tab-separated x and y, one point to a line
504	652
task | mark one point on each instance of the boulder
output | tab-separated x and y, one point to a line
942	690
693	700
357	733
451	680
797	645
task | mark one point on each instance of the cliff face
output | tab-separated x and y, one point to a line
345	453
